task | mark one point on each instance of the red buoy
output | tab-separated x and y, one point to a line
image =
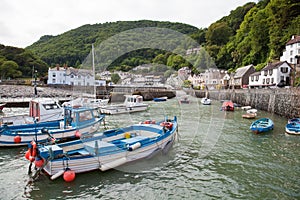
77	134
17	139
27	154
38	162
69	175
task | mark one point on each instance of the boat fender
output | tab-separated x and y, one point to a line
69	175
134	146
58	174
17	139
39	162
113	164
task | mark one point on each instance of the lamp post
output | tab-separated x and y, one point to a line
35	90
295	70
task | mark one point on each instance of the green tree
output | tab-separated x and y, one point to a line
115	78
218	34
9	69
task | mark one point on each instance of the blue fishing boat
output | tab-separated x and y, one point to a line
262	125
76	122
293	126
105	150
159	99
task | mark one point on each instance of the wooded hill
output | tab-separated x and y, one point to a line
254	33
17	62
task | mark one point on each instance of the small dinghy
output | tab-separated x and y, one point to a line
262	125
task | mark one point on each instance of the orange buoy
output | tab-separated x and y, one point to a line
69	175
77	134
28	154
38	162
17	139
147	122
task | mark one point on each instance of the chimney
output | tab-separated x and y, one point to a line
57	67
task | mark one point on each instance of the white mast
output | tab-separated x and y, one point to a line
93	65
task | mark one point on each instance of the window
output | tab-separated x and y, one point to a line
272	80
299	50
53	80
252	78
268	80
264	80
270	72
265	72
72	76
84	116
256	78
291	60
284	69
291	52
53	75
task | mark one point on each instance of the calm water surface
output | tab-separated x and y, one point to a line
215	157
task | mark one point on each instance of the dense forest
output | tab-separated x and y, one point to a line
255	33
17	62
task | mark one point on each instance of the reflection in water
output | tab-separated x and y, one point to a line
216	156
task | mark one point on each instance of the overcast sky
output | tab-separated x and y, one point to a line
23	22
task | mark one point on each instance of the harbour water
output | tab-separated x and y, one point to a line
216	156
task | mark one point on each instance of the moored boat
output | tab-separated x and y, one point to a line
158	99
293	126
262	125
251	111
132	103
87	102
105	150
184	100
205	101
249	115
76	122
40	110
227	106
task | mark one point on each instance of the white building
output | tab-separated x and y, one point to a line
271	75
193	51
71	76
211	78
292	50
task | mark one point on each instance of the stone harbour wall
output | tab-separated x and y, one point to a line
281	101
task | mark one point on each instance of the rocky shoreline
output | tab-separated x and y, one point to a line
23	91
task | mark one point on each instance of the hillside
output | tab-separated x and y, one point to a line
73	46
255	33
261	36
17	62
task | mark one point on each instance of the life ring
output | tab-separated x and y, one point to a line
168	125
31	152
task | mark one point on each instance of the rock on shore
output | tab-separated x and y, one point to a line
22	91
